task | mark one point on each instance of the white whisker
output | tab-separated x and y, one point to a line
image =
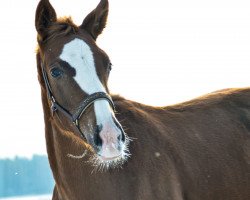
78	157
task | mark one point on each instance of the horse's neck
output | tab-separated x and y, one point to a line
65	155
68	161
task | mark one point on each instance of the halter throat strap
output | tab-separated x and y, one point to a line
84	105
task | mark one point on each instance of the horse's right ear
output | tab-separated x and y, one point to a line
45	15
95	21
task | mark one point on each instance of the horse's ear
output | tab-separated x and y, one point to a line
95	21
45	15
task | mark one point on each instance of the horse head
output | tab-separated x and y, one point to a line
75	73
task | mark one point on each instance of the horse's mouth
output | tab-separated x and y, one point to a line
107	159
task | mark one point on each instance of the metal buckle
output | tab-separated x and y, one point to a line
76	122
53	106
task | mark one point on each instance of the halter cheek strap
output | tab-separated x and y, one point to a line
84	105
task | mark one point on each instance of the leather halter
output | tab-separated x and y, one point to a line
84	105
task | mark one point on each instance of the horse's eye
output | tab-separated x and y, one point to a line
56	72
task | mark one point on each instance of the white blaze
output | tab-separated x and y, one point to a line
78	55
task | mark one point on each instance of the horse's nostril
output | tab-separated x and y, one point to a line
97	138
121	137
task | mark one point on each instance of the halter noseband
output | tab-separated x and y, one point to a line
84	105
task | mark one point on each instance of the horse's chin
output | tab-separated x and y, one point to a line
102	163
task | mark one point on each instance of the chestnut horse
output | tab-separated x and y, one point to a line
197	150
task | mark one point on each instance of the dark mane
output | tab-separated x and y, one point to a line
62	27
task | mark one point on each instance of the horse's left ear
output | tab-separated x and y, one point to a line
45	16
95	21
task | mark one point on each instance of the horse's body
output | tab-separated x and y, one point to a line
198	150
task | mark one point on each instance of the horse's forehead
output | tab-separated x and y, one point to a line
75	48
79	55
54	47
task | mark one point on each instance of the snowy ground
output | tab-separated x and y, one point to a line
43	197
